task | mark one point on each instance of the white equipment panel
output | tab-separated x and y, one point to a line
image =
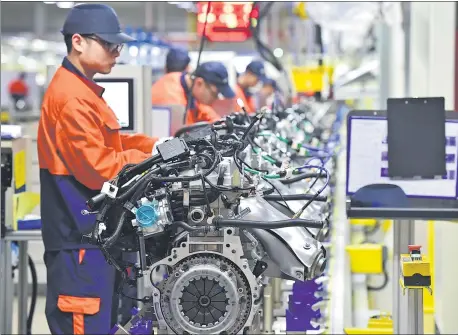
140	79
367	160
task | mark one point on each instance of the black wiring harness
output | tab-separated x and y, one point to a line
200	149
155	172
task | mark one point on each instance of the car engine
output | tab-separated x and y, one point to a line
213	214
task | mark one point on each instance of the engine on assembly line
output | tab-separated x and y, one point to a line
214	213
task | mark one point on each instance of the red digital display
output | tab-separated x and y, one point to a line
226	22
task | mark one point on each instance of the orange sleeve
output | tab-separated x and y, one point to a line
138	141
252	105
206	113
239	94
81	144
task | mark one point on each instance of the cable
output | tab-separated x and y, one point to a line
139	189
127	173
33	302
207	202
255	120
385	274
191	127
369	231
295	197
285	205
122	218
121	289
201	48
299	213
279	193
300	177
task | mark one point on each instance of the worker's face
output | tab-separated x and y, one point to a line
267	90
251	79
96	54
204	92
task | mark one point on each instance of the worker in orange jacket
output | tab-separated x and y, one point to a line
18	88
267	92
253	75
210	83
177	60
79	148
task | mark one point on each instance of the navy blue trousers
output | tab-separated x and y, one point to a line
81	294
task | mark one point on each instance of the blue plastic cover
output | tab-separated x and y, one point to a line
146	215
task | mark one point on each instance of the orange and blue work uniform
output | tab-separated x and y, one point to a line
79	148
171	89
255	67
247	99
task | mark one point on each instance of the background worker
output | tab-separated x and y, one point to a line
210	83
266	94
18	89
177	60
79	148
247	81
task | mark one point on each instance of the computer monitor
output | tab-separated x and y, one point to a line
119	95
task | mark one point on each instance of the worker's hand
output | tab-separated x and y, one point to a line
159	141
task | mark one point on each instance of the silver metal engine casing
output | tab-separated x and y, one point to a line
315	210
293	250
212	247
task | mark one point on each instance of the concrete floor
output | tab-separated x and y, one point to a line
39	325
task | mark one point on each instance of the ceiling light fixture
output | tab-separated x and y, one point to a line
65	4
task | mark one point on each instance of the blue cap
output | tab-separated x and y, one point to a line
177	60
257	68
215	73
95	19
270	82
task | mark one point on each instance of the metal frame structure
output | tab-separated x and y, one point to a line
407	311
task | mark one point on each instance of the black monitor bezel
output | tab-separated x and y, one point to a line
130	81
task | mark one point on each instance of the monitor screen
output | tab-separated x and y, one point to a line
119	95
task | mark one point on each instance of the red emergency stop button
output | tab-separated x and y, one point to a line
414	248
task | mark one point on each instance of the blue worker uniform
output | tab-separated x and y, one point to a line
80	283
79	148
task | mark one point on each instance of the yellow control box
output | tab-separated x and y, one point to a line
415	268
366	258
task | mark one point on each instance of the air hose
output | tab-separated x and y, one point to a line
220	222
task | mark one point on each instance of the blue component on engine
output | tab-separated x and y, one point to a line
146	215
